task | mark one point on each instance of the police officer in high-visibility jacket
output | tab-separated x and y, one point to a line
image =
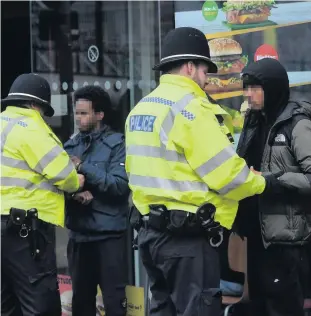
182	167
35	173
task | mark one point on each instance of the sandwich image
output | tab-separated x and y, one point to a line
247	11
226	53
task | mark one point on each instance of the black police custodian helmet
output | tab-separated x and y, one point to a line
30	87
185	43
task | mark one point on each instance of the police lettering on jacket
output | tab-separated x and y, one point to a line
142	123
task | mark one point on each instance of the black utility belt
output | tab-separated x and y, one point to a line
24	219
180	222
26	224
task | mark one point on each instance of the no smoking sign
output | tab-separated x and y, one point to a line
93	53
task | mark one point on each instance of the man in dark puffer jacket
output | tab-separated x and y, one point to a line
276	140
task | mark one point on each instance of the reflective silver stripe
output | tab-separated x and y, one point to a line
5	132
27	185
168	122
63	174
8	161
155	152
14	163
48	158
158	183
215	161
236	182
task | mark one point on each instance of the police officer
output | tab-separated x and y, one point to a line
35	171
182	167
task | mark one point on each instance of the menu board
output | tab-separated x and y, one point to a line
240	32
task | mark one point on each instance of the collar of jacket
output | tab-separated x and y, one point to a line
92	136
33	114
183	82
24	112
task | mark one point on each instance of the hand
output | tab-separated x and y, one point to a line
255	172
75	160
81	180
273	185
84	197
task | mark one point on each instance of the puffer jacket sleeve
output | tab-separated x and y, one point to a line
301	147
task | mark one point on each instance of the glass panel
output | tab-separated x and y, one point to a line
113	44
280	33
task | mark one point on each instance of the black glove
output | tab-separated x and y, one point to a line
273	185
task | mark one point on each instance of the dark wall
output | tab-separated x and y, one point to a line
15	42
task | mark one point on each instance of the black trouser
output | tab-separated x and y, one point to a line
183	272
278	279
100	263
28	287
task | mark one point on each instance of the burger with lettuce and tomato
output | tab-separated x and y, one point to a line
226	53
247	11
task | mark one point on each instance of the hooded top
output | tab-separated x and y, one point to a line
273	78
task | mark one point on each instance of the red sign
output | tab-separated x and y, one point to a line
266	51
65	289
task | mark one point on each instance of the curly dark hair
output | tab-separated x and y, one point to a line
98	96
101	102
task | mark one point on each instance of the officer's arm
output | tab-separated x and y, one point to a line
45	155
111	179
213	158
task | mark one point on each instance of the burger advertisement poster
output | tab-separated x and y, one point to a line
242	31
228	56
245	14
222	16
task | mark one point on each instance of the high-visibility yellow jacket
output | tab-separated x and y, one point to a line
237	119
35	170
234	121
178	153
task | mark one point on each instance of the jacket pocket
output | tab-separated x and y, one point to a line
44	288
103	208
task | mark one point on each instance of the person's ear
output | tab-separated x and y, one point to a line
191	69
100	115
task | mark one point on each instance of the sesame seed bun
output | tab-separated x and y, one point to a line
224	47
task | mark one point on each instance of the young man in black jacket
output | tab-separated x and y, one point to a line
97	216
276	139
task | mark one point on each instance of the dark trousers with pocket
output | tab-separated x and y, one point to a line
28	287
278	279
102	263
183	274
